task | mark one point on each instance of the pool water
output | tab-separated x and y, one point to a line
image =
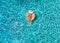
14	28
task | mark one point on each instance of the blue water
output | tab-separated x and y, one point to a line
14	27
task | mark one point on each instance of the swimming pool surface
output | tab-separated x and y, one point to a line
14	27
